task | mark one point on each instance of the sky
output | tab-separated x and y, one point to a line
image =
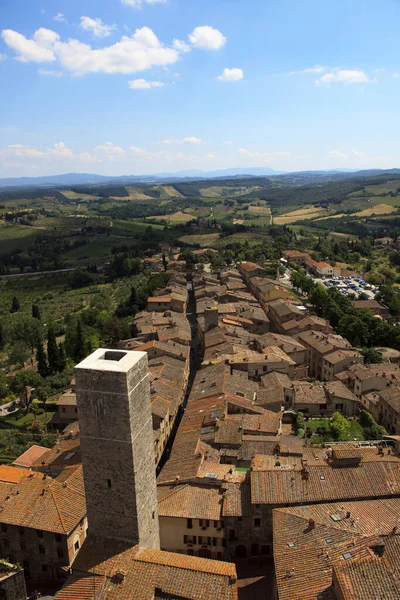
121	87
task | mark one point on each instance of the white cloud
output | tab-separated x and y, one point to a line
396	75
227	143
264	156
3	57
181	46
357	153
50	73
39	49
231	75
96	27
210	155
207	38
60	18
337	154
139	151
58	151
317	69
344	76
109	149
187	140
139	3
142	84
139	52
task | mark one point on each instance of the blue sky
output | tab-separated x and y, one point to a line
143	86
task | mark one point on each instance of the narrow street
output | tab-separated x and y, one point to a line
195	361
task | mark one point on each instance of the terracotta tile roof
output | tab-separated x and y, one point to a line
369	578
159	299
63	454
339	355
322	342
191	502
30	456
67	399
14	474
47	504
148	574
325	483
392	397
309	541
249	266
81	587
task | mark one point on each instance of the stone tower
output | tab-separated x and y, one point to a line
210	317
113	397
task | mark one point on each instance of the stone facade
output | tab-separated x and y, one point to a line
113	395
43	554
12	585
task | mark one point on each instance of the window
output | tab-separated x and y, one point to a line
4	527
109	483
189	523
60	553
58	537
204	540
63	409
6	543
76	545
75	409
23	546
189	539
39	533
21	531
42	549
45	568
190	551
240	519
204	523
339	406
257	522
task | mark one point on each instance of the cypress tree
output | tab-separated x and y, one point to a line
52	351
36	312
14	305
62	360
79	351
41	358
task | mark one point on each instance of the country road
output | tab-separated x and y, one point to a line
40	273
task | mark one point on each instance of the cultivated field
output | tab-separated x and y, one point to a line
309	212
203	240
260	210
377	209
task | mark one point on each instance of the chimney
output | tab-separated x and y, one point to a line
211	317
379	548
348	514
311	524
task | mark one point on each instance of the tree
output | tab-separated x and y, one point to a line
42	367
79	350
36	312
339	426
24	378
18	354
371	355
52	351
3	385
165	262
2	340
14	305
62	360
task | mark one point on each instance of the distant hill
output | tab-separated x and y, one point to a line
70	179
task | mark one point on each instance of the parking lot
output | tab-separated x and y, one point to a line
350	285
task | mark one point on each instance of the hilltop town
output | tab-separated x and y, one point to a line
237	446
